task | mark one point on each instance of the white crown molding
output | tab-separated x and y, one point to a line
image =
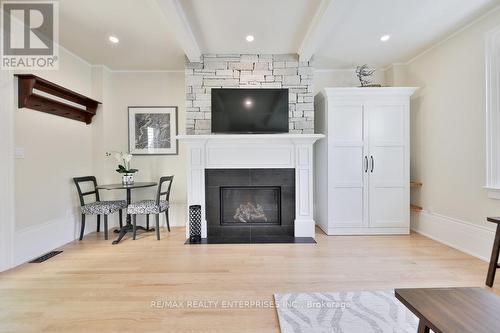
337	70
331	70
104	67
364	91
110	70
394	64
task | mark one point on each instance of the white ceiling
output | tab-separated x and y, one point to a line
146	40
279	26
414	25
350	29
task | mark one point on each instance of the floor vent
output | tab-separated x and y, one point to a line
46	256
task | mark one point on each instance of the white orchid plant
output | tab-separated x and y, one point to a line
124	163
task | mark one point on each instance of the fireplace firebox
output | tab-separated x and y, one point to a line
250	204
244	204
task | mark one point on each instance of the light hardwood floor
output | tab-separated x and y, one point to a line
94	286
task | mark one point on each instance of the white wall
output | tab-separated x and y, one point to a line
144	89
448	125
7	198
58	149
55	150
448	138
396	74
342	78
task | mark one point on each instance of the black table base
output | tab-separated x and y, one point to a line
128	228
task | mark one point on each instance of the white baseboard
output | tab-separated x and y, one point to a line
36	240
472	239
366	231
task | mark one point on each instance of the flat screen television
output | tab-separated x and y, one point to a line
249	110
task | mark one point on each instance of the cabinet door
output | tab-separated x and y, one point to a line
347	165
389	165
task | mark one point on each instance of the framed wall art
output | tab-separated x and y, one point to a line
152	130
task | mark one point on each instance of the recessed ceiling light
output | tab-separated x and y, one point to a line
248	102
114	39
250	38
385	38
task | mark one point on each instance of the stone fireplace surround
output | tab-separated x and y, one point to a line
253	151
249	71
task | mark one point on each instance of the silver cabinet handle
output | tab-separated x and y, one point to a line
366	164
373	164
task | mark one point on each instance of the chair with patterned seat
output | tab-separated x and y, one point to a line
98	207
156	207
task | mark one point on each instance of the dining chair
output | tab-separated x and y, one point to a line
97	207
156	207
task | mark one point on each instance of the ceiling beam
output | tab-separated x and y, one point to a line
174	13
318	29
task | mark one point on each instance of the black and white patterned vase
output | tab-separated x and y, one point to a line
127	179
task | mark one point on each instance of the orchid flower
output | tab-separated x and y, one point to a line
124	163
127	157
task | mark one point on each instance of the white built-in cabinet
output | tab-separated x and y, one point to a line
362	168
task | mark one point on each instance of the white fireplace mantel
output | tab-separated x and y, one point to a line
253	151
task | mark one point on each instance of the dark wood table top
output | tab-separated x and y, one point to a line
454	310
494	219
120	186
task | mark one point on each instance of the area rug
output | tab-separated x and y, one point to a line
344	312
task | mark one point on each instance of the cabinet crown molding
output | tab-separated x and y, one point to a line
369	91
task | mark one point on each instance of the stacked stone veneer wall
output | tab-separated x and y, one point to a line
249	71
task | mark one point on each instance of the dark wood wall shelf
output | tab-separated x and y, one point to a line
27	98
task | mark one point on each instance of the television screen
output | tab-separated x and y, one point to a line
249	110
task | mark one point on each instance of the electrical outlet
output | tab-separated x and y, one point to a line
19	153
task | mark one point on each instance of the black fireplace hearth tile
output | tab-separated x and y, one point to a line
212	199
272	177
273	231
227	177
229	231
256	240
284	239
229	240
287	205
